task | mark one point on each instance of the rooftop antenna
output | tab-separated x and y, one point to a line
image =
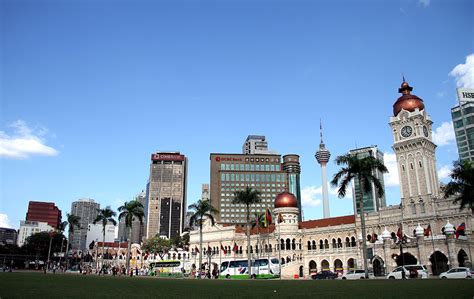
321	130
403	76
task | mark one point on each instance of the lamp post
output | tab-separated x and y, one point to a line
400	242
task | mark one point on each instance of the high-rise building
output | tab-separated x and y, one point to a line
263	172
372	202
415	151
167	195
8	236
322	156
463	121
291	165
205	192
28	228
138	229
85	208
44	212
255	144
95	233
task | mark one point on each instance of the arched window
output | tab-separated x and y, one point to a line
348	242
353	242
314	245
270	246
293	244
288	244
326	244
321	244
334	243
339	243
309	245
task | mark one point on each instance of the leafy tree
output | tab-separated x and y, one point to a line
247	197
71	222
461	186
130	211
202	210
104	217
38	244
362	170
157	245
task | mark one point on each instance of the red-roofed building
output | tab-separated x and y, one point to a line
44	212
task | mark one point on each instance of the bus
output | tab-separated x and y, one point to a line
261	268
170	268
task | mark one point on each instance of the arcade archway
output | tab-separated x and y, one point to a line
351	264
325	265
338	267
406	259
378	266
313	268
439	263
463	259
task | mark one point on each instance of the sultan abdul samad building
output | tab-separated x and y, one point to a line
426	219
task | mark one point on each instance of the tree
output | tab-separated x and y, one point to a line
72	222
129	211
247	197
202	209
362	170
461	186
157	245
104	217
38	244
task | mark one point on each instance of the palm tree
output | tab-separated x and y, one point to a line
247	197
462	184
129	211
72	221
104	217
202	209
362	170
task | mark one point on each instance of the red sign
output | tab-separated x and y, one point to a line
167	157
228	159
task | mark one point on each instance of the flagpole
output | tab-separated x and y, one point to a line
434	254
279	245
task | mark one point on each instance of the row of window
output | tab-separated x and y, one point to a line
251	167
252	177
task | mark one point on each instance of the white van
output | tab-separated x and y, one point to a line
261	268
397	272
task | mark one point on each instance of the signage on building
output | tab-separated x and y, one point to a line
465	95
228	159
167	157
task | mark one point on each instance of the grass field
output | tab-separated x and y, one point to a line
37	285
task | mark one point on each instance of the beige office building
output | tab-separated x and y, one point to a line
167	195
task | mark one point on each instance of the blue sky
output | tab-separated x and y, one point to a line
89	89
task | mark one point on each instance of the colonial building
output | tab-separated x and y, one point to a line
424	222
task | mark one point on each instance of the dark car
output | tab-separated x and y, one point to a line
324	275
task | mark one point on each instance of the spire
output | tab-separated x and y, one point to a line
403	77
321	130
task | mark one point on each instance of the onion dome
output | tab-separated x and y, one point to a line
286	200
386	234
407	101
419	231
449	229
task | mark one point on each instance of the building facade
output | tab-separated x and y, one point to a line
138	229
95	233
28	228
167	195
264	173
436	233
44	212
255	144
372	202
8	236
87	210
463	122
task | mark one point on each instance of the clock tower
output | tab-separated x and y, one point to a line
415	152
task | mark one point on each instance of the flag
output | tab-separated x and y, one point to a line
427	231
399	234
268	218
373	238
197	249
280	218
460	230
223	249
235	248
209	248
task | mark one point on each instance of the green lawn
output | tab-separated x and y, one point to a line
38	285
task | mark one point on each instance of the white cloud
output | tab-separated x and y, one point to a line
444	134
4	222
440	94
312	196
444	172
424	3
391	178
464	73
24	142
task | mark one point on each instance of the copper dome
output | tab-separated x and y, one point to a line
286	200
407	101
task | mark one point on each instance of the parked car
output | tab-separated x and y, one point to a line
460	272
356	274
421	272
324	275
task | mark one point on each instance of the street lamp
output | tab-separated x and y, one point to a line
449	232
400	242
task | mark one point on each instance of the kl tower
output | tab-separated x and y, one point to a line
322	156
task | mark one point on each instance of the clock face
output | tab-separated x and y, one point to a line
406	131
425	131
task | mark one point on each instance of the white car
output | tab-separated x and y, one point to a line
422	272
460	272
356	274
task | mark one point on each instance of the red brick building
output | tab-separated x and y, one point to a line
44	212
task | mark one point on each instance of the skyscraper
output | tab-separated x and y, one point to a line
255	144
167	195
463	121
291	165
322	156
44	212
262	172
372	202
85	208
138	229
